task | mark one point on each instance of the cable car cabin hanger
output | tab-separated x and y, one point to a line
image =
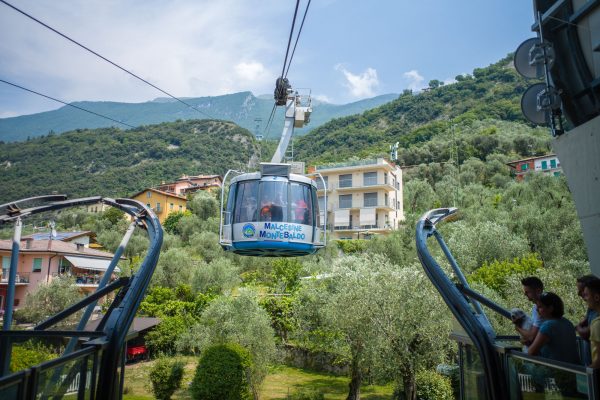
273	212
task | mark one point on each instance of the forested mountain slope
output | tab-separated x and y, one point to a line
112	162
493	93
242	108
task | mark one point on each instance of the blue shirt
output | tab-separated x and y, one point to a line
591	315
562	343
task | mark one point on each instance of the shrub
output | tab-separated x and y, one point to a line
307	394
166	376
28	354
433	386
494	274
352	246
223	374
161	340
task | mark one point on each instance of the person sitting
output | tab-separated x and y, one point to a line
583	327
591	294
556	337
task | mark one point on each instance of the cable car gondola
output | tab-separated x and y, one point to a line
273	212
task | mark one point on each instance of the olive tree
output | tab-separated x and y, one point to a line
367	311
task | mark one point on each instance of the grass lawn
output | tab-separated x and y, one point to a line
280	381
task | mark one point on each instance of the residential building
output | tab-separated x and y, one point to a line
162	203
364	197
86	238
40	261
190	184
548	164
97	208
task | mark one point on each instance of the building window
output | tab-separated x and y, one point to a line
370	199
370	178
523	167
171	206
320	182
544	164
345	201
180	208
553	163
385	178
37	265
386	201
556	173
148	194
5	268
345	180
157	207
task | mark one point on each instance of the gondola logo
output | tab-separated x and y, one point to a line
248	230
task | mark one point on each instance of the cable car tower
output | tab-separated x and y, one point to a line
274	212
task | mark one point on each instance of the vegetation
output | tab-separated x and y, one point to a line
166	376
222	374
28	354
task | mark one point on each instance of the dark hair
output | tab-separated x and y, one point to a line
593	286
550	299
585	279
532	282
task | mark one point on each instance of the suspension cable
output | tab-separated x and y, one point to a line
67	104
104	58
289	39
297	38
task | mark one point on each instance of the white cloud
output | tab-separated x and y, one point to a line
322	98
361	85
252	71
414	80
449	81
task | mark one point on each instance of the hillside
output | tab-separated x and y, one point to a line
111	162
241	108
492	93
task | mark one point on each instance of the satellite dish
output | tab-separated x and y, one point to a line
529	58
531	106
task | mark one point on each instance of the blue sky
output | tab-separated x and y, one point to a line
349	49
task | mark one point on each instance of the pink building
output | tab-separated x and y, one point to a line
548	164
40	261
190	184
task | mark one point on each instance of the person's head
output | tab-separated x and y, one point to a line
582	281
532	287
591	294
550	306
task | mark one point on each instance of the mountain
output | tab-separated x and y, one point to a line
241	108
493	92
111	162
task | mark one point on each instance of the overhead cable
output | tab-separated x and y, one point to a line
289	39
65	103
104	58
297	38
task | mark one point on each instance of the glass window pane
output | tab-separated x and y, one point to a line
301	204
370	199
345	201
346	180
246	206
320	182
273	201
5	262
37	264
370	178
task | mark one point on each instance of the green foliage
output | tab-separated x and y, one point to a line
171	223
173	268
116	163
286	274
28	354
352	246
166	376
280	310
49	299
494	274
433	386
113	215
238	320
170	302
204	205
307	394
222	374
161	339
217	277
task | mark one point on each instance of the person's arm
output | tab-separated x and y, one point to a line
540	340
528	335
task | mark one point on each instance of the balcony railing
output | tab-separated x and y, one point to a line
350	164
22	278
379	204
357	185
362	227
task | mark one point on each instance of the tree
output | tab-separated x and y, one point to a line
418	196
369	312
49	299
216	277
171	223
204	205
173	268
238	320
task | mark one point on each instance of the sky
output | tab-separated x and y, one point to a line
348	50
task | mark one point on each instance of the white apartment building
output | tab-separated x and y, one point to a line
364	198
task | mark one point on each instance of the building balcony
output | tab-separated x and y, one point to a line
364	186
384	205
21	279
357	164
364	228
